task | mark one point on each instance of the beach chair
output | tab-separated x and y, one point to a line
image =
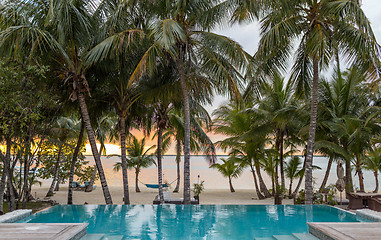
374	203
355	202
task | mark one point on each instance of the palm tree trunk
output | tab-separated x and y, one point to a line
126	195
26	194
300	180
231	185
178	159
376	178
10	188
360	175
2	189
94	149
73	162
137	189
312	132
262	184
348	176
6	161
56	173
290	190
187	191
90	187
57	187
259	194
281	162
326	175
277	190
159	164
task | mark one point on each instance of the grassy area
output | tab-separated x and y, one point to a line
35	206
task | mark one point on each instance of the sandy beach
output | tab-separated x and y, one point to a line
146	196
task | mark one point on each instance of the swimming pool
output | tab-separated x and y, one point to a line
193	221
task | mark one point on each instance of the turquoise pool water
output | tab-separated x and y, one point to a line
193	222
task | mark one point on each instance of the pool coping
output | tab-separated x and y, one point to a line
15	216
61	231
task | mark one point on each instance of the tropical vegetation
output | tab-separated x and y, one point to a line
86	71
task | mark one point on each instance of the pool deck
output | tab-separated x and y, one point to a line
43	231
346	231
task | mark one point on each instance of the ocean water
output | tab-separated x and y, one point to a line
193	221
213	179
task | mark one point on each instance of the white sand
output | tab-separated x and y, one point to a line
146	196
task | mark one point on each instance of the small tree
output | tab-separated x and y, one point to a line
230	169
138	158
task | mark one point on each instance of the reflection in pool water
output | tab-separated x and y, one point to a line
193	222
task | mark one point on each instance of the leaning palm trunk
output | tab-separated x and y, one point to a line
262	184
231	185
73	162
59	179
56	173
126	196
90	187
178	159
94	149
312	132
159	164
322	187
187	193
257	190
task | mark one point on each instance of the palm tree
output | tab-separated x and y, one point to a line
229	168
64	30
62	130
345	96
279	112
358	133
105	130
181	31
200	142
73	162
373	163
319	27
245	139
293	170
138	158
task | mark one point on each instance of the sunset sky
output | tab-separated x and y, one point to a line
248	36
